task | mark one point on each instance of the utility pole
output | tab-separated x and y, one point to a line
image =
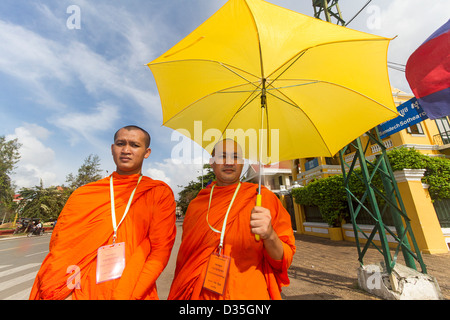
330	9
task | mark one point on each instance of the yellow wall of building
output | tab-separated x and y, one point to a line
419	206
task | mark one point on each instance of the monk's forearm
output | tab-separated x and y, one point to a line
274	246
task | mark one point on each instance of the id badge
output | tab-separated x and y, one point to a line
110	262
217	273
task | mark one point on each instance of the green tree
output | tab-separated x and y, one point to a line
47	203
9	156
88	172
190	191
43	203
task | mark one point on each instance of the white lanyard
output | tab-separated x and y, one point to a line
222	233
113	206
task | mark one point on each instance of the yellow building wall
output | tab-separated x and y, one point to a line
418	204
419	208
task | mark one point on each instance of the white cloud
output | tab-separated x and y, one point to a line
158	174
176	175
36	160
26	56
412	22
39	61
81	81
85	125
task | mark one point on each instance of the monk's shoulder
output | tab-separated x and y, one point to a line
92	187
158	187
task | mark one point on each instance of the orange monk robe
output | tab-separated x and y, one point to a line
85	224
252	273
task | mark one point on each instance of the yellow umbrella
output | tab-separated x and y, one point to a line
313	86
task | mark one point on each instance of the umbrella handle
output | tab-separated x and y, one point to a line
258	203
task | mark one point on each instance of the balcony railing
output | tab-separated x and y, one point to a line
442	138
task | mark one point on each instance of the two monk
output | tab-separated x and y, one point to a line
223	260
114	236
94	256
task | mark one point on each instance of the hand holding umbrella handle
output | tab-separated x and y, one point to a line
258	203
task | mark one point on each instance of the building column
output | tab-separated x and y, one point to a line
419	208
299	217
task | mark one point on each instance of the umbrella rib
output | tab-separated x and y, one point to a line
229	89
294	85
208	95
315	81
292	103
312	81
242	107
229	69
302	52
299	55
296	106
225	65
259	39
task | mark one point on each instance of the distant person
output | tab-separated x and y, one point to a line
226	262
39	226
94	256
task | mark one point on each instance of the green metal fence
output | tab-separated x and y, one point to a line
442	208
312	214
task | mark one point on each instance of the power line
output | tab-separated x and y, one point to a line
358	13
396	66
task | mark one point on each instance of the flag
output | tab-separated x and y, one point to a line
428	73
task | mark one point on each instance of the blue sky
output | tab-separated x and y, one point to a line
64	92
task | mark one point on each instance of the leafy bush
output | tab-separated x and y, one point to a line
437	173
404	158
330	196
438	177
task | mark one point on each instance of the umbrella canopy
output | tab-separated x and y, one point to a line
321	85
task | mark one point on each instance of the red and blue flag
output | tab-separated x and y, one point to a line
428	73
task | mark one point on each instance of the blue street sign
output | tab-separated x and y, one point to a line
410	113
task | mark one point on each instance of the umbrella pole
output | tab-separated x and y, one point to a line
263	107
260	154
259	196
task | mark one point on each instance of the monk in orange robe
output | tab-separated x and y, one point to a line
147	233
257	269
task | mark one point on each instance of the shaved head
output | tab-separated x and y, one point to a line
227	162
132	127
222	145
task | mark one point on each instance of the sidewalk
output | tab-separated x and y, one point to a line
325	270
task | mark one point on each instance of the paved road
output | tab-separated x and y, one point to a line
164	281
321	269
20	259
